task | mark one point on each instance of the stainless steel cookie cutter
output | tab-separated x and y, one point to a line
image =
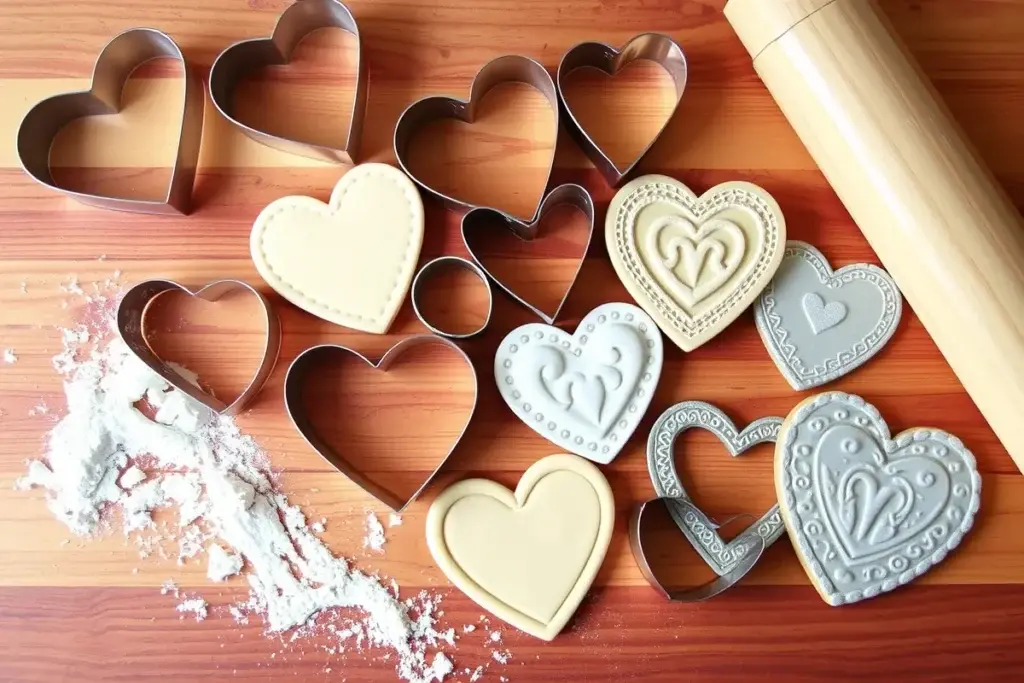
114	66
446	263
651	46
482	218
506	69
131	314
308	359
294	24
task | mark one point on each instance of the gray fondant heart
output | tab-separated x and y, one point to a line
817	324
868	513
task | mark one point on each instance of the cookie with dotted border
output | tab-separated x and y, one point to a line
585	392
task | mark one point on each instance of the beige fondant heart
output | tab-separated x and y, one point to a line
349	261
694	263
528	557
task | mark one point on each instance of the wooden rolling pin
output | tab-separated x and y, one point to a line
936	217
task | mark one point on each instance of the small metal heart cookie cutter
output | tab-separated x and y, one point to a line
295	23
506	69
444	264
131	313
482	218
115	64
295	379
655	47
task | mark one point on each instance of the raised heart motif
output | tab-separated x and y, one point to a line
868	513
585	392
528	557
819	324
350	261
693	263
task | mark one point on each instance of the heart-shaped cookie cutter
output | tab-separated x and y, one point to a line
114	66
655	47
131	313
482	217
443	264
308	359
294	24
506	69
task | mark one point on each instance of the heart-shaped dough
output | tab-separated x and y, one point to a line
350	261
585	392
819	325
868	513
694	263
527	557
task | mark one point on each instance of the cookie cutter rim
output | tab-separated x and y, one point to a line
504	69
569	194
131	314
656	47
722	582
292	26
300	420
113	67
446	263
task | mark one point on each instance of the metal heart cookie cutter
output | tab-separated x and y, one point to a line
482	218
295	379
114	66
445	264
506	69
297	22
650	46
131	313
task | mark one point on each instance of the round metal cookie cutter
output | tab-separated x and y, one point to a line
447	263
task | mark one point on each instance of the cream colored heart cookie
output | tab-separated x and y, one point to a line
349	261
530	556
694	263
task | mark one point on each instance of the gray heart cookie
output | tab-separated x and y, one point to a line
817	324
868	513
720	556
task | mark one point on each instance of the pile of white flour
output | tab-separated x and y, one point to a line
106	460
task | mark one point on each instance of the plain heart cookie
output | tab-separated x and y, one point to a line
528	556
868	513
694	263
349	261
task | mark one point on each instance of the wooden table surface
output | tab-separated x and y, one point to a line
92	610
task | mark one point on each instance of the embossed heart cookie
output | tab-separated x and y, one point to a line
585	392
694	263
868	513
819	324
349	261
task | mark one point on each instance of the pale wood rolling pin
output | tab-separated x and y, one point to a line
936	217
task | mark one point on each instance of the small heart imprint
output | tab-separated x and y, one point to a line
869	513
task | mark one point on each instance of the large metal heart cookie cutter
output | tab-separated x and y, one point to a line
730	561
482	218
117	61
310	358
506	69
131	314
297	22
651	46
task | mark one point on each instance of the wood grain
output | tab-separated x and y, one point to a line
81	611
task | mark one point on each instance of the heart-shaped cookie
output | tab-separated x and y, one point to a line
721	556
650	46
584	392
527	557
114	66
244	57
506	69
302	370
483	219
817	324
131	315
694	263
350	261
868	513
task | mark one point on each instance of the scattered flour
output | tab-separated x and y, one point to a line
194	606
10	356
374	539
468	628
495	636
221	564
477	674
501	656
394	519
